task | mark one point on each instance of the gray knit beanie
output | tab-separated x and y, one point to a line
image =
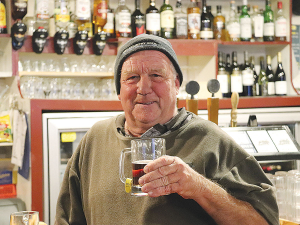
141	43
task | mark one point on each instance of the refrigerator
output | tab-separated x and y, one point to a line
62	133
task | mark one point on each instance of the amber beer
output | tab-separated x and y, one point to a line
138	171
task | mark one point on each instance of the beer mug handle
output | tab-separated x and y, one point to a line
121	164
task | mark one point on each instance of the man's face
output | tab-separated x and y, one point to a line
148	89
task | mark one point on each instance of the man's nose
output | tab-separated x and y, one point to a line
144	85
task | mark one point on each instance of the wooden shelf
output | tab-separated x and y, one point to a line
254	43
68	74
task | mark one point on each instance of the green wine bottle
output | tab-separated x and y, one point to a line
262	79
167	20
245	22
269	28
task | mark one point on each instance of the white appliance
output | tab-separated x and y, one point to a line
62	133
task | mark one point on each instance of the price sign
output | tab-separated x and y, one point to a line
242	138
282	141
68	136
262	141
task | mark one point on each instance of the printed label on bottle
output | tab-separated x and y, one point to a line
220	25
167	19
280	87
101	10
139	26
123	22
280	27
42	9
206	34
194	23
83	9
109	26
223	80
153	21
271	88
181	26
268	29
236	84
2	16
247	77
246	28
234	30
258	26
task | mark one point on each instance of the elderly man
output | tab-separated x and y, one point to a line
206	178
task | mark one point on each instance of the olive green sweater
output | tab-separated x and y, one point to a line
92	192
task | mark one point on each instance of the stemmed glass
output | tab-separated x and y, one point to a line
24	218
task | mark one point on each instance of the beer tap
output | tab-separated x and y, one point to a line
192	88
213	86
234	103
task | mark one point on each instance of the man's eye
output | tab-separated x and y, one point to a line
132	77
156	75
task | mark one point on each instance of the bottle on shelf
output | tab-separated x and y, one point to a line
245	23
206	31
236	76
271	77
269	27
255	90
211	16
100	15
233	24
280	78
42	14
247	76
228	64
82	13
239	10
123	20
180	21
109	27
167	20
262	79
219	25
152	19
223	77
193	14
3	26
19	9
257	24
137	20
280	24
62	16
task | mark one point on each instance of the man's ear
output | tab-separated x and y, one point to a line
177	84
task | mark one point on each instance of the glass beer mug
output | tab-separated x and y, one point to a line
24	218
142	152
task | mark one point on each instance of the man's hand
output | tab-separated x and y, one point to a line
169	174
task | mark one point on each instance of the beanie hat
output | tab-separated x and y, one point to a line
144	42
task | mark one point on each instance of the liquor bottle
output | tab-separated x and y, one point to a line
42	14
137	20
228	64
239	10
3	26
62	16
268	22
206	31
245	22
271	77
255	90
257	24
211	16
123	20
236	76
193	13
247	77
262	79
82	13
219	25
100	15
180	21
280	78
109	27
152	19
280	24
233	24
167	20
19	9
223	77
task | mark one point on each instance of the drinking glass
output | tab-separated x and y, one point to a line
142	152
67	88
47	87
55	85
24	218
